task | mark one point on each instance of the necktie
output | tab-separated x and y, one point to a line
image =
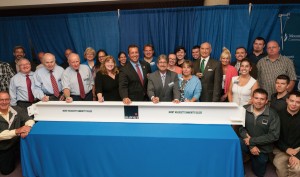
28	83
163	79
202	65
54	84
139	73
80	83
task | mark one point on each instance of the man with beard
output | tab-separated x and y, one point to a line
240	54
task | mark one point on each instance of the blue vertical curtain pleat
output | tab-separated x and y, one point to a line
264	22
50	34
13	31
222	26
168	28
96	30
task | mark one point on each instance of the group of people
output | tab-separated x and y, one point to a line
251	81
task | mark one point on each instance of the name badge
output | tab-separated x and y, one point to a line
171	84
152	63
264	122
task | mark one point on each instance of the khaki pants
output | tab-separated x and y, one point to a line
281	163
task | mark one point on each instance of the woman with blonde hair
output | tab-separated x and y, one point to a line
107	81
228	72
89	55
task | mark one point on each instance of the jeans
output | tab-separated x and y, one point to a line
258	162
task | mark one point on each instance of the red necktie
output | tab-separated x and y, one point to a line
80	83
139	73
54	84
28	83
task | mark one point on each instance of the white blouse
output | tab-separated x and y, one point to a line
242	94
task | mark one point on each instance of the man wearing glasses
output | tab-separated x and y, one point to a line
163	83
12	124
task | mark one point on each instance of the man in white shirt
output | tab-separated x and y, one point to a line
12	124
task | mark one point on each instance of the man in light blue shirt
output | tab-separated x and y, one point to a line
47	80
77	81
21	85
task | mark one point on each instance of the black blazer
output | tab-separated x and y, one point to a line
129	82
211	80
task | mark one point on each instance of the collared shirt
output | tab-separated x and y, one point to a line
18	88
278	103
253	58
87	64
9	134
237	66
162	74
42	81
134	66
69	79
289	131
205	62
6	73
163	77
5	116
39	66
153	64
268	72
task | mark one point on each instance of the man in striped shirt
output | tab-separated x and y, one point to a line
273	65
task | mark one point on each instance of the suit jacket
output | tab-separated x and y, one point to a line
169	91
211	80
129	82
252	73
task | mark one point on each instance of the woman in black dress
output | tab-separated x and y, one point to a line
107	81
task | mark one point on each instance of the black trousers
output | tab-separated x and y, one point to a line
8	159
88	97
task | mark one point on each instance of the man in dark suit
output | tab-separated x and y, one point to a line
209	72
163	84
133	78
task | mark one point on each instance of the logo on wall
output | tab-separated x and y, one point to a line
291	37
285	37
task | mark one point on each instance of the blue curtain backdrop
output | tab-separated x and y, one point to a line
96	30
229	26
50	34
264	22
168	28
55	33
13	31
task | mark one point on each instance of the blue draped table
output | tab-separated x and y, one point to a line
95	149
